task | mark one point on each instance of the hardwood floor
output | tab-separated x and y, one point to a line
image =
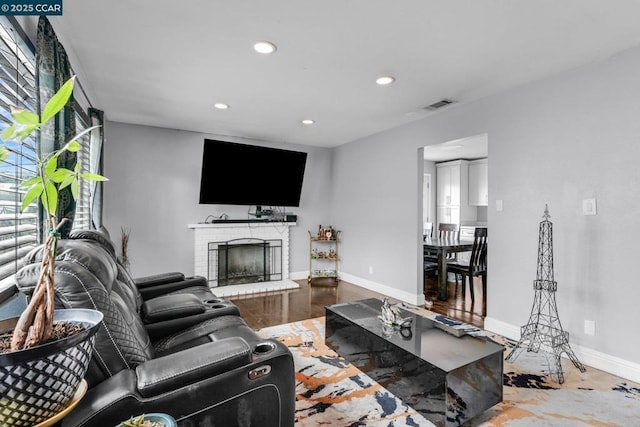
458	306
274	308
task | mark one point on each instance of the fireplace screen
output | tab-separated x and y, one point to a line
244	261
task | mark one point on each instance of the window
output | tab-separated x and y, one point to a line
82	219
18	231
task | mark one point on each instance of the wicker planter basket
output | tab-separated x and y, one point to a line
39	382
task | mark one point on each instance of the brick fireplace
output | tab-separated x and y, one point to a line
239	261
217	235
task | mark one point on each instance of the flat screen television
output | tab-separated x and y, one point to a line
243	174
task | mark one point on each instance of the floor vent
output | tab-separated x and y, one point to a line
439	104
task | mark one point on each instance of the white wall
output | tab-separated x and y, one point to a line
153	187
555	142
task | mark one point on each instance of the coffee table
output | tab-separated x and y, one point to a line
447	379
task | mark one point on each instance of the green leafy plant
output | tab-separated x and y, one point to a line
50	178
141	421
36	322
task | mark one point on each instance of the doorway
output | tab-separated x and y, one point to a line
472	151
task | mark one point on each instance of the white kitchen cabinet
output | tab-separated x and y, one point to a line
479	182
448	184
452	193
448	215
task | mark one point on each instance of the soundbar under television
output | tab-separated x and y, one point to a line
243	174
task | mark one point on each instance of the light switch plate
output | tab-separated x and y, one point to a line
590	327
589	207
499	205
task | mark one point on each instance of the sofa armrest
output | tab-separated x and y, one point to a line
268	400
170	307
152	289
158	279
186	367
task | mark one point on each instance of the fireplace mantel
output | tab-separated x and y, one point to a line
249	223
206	233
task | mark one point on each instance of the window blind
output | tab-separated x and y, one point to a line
82	219
18	230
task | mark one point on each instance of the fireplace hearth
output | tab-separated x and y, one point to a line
240	261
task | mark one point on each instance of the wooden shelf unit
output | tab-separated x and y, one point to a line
323	257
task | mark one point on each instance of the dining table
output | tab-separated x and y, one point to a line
442	247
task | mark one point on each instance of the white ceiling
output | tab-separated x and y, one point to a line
165	63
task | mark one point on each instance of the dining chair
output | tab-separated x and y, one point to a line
427	230
430	269
427	233
446	231
449	231
476	266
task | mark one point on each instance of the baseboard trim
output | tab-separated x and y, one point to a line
372	286
299	275
588	356
384	289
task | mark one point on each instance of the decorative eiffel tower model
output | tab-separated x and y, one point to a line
544	329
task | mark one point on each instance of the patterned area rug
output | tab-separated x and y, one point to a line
332	392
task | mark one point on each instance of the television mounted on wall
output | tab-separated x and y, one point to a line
243	174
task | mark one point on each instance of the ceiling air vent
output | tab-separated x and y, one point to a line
439	104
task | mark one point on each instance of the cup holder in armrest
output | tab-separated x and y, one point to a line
264	347
215	303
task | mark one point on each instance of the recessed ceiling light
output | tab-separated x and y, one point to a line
385	80
264	47
221	106
308	122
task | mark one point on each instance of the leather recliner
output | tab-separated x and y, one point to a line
216	372
148	286
171	302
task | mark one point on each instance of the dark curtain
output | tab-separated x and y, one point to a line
52	71
96	166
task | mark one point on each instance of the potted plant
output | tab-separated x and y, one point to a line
150	420
38	341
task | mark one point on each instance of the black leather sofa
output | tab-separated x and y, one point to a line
186	354
148	286
169	301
